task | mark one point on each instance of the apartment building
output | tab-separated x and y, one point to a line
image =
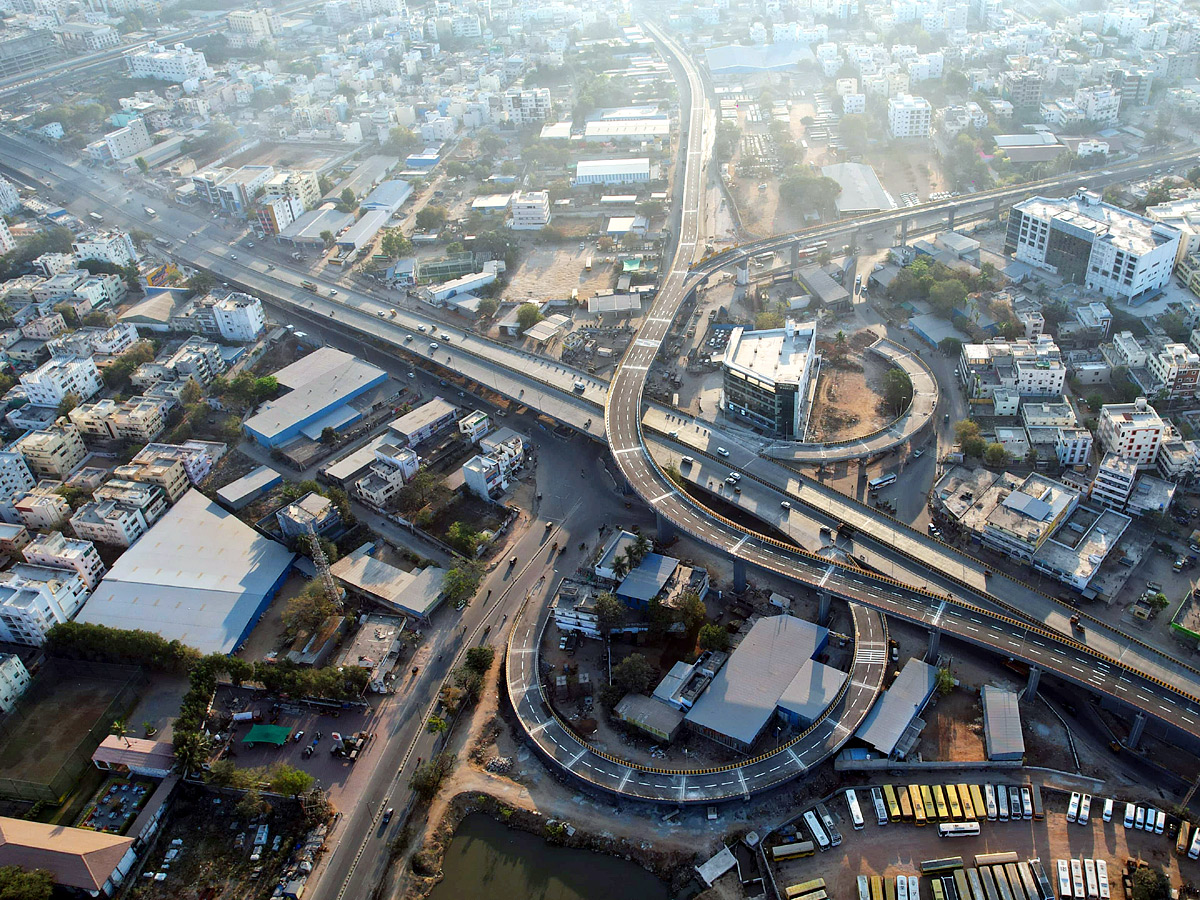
14	680
137	419
7	241
178	64
55	551
302	187
122	143
54	451
1114	480
527	107
909	116
530	210
10	197
1177	368
43	508
54	379
491	473
109	522
196	457
33	599
114	247
250	27
197	359
1087	241
1099	104
148	499
1023	89
1026	368
239	317
15	477
1133	84
167	474
1132	431
392	469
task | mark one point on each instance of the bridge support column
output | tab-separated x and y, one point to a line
935	640
795	255
904	232
666	530
950	219
1031	686
739	575
996	210
1135	733
823	614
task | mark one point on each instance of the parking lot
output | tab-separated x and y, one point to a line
898	848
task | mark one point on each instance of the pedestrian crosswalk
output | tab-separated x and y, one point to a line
871	654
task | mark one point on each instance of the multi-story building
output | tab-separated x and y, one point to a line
530	210
10	198
54	451
196	457
53	380
250	26
909	116
148	499
23	50
102	289
43	508
33	599
1026	368
179	64
167	474
136	419
197	359
1073	447
1087	241
44	328
129	140
1023	89
109	522
114	247
276	213
82	37
237	190
1133	84
15	478
1114	480
490	474
1132	431
1183	215
302	187
14	681
1177	368
766	374
310	511
7	242
1023	521
392	469
527	107
58	552
1098	104
239	317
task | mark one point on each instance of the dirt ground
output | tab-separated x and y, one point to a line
283	155
551	273
268	633
847	400
955	728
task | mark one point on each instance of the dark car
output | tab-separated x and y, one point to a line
387	815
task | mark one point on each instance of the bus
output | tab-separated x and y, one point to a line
1089	875
1194	849
810	819
965	801
958	829
792	851
941	866
150	212
856	818
1039	872
906	807
989	799
835	836
936	887
927	802
588	264
989	883
881	482
1028	881
978	803
864	887
805	887
1185	835
976	885
1064	878
918	805
914	888
960	885
815	895
1002	886
1014	882
881	817
901	887
939	802
1073	807
889	889
889	798
1102	878
309	286
95	217
876	887
952	804
1002	802
1036	791
1077	888
995	859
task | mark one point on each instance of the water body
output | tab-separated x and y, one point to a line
486	859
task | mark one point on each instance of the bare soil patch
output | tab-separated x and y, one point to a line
551	273
954	729
847	403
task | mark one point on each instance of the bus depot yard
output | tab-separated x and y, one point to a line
961	842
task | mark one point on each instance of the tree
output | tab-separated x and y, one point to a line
288	780
253	804
995	455
970	438
428	777
17	883
200	283
142	164
400	142
947	296
432	218
487	308
191	750
329	435
120	729
897	389
804	188
480	659
347	200
726	143
307	610
714	637
461	582
327	237
839	344
469	682
634	674
1159	602
528	315
436	725
191	393
620	566
944	681
610	612
395	244
1150	884
950	346
1095	400
692	608
463	538
638	550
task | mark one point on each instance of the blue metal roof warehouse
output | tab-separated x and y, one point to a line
321	385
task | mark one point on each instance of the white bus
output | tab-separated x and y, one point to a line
881	482
957	829
901	887
881	815
989	794
1194	850
1102	877
1085	809
1077	888
914	888
1089	874
814	826
1073	807
1002	801
856	818
864	888
1064	878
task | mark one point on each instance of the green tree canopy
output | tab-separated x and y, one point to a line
714	637
528	315
995	455
897	389
634	674
432	218
610	612
17	883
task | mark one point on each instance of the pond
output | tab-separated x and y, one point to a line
488	859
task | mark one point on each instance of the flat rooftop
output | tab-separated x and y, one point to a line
1125	230
416	593
780	355
1080	546
899	705
861	189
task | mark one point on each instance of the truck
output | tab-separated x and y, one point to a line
308	286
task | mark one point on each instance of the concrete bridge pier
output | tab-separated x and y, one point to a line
903	232
996	210
739	575
825	599
950	219
935	641
1135	733
666	529
1031	686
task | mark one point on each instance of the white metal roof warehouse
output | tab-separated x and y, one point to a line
612	171
199	576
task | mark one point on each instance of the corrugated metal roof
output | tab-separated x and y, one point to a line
886	721
1002	724
649	578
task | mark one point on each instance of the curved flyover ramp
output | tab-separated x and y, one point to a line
900	430
565	750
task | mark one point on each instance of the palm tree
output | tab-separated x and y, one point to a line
191	751
641	546
120	729
839	344
620	567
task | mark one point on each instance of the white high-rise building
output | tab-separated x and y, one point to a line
114	247
1099	104
1132	431
50	382
239	317
178	64
528	106
14	679
530	210
59	552
7	241
33	599
10	199
909	116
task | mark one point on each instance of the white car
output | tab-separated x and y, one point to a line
721	451
1108	809
1129	815
1139	819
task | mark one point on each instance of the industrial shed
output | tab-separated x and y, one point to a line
892	725
1002	724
